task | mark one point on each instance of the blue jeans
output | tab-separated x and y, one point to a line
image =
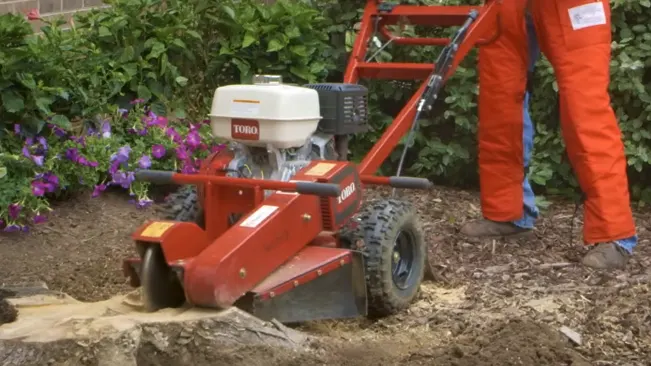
531	212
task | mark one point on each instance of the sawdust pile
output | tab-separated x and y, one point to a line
8	312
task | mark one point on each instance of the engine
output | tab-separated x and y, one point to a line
276	129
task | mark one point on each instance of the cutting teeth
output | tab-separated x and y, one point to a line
161	287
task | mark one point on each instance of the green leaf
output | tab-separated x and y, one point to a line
61	121
43	104
180	113
292	31
302	72
248	40
193	34
12	101
27	80
143	92
229	11
127	54
159	108
3	172
299	50
182	81
157	49
104	32
275	45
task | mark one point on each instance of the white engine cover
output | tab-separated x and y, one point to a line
283	116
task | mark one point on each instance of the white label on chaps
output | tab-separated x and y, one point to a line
588	15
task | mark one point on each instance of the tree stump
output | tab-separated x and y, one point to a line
55	329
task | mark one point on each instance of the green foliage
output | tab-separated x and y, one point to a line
29	88
172	54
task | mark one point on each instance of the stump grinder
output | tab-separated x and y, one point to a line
275	224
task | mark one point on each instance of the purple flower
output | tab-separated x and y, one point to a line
14	211
59	132
51	178
217	148
81	140
181	153
105	129
114	167
12	228
39	219
158	151
42	141
123	154
151	119
188	168
123	179
3	224
145	202
193	139
26	152
171	132
142	132
145	162
38	160
17	129
98	190
38	188
72	154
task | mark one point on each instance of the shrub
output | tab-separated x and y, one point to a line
60	92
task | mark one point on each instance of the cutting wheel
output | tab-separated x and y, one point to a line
161	287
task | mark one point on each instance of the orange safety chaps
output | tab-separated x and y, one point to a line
575	36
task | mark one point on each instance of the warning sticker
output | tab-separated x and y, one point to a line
320	169
259	216
157	229
245	108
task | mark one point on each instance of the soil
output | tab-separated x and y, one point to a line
493	302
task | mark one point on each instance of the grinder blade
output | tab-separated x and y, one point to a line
161	287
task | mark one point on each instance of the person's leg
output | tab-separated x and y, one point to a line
530	214
575	36
503	136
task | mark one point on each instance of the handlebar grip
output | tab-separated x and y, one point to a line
318	189
410	183
155	176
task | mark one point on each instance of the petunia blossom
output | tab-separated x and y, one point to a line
158	151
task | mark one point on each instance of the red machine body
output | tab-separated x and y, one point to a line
285	242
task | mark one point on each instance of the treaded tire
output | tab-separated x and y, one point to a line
183	205
380	224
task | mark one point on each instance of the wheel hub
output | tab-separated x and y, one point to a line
403	257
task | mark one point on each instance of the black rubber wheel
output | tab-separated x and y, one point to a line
395	255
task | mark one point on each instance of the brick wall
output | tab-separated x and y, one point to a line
48	8
56	8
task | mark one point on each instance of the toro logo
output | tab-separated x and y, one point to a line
245	129
346	193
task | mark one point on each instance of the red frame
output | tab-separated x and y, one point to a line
222	262
484	28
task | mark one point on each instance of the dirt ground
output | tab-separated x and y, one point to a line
494	302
